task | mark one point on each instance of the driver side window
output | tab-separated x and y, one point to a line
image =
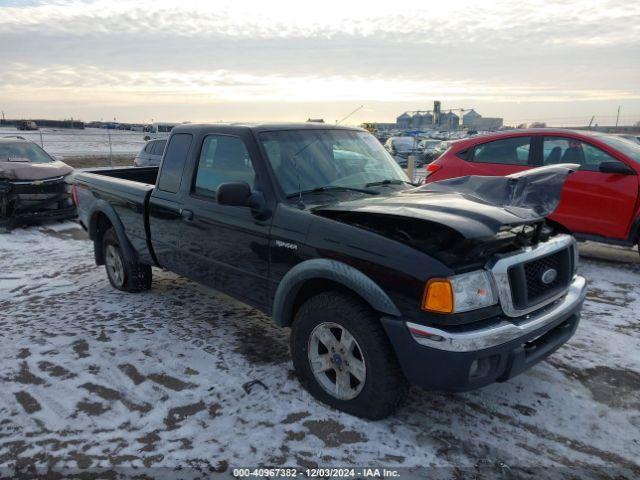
223	159
568	150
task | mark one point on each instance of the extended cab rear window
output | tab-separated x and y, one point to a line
174	162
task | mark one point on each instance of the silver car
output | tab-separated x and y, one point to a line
151	154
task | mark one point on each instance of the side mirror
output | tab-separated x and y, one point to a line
616	167
239	194
235	194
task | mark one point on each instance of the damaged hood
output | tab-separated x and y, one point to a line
474	206
16	170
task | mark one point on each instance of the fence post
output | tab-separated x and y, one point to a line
41	142
411	166
110	149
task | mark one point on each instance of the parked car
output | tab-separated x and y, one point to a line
151	154
429	149
318	227
401	147
600	202
32	184
27	125
159	130
442	147
630	136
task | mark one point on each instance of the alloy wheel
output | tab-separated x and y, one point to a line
336	361
114	264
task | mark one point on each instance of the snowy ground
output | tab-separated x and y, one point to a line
63	142
184	377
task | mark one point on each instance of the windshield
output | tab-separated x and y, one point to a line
304	160
624	145
23	152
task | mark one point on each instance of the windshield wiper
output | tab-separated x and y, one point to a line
395	181
329	188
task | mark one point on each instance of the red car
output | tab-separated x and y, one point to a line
599	202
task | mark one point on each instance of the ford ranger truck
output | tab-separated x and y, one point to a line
450	286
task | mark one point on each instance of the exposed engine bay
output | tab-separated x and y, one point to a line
445	243
467	220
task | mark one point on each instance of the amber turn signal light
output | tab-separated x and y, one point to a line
438	296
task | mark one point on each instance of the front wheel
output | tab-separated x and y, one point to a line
343	357
123	275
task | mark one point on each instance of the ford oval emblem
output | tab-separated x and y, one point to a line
549	275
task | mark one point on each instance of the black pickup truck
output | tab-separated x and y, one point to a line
450	286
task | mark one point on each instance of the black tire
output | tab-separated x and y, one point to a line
133	277
385	387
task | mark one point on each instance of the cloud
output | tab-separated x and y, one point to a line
416	21
292	51
229	86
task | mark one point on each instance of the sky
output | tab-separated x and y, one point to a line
559	62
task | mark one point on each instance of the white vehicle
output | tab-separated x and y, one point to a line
159	130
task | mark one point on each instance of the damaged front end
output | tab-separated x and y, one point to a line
464	221
33	201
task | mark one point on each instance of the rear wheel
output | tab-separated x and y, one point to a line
123	275
343	357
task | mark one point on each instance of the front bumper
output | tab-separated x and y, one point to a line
27	202
28	218
466	358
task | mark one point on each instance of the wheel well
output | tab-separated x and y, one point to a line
100	224
321	285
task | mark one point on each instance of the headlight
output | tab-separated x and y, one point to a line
460	293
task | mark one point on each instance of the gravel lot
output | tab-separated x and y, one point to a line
182	377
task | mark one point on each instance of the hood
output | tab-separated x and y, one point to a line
32	171
473	206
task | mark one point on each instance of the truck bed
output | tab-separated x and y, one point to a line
126	192
146	175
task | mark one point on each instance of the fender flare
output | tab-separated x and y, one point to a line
102	206
335	271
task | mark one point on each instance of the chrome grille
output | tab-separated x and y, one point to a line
528	288
534	271
518	277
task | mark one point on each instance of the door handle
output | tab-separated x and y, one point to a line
186	214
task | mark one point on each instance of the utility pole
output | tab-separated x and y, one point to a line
618	115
